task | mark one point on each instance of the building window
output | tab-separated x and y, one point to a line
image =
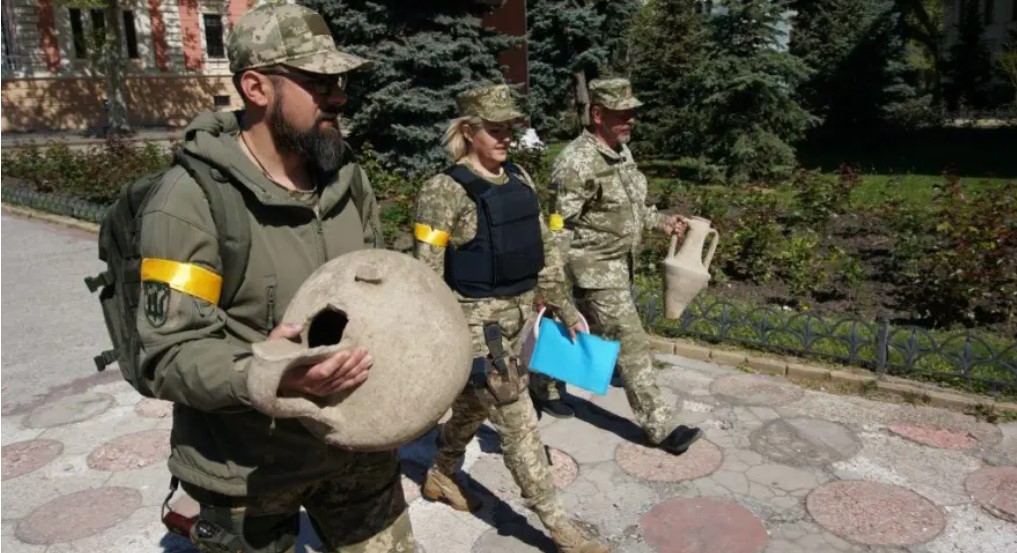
130	35
220	100
78	34
11	59
213	36
98	27
987	8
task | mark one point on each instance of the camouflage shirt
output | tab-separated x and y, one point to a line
600	211
444	206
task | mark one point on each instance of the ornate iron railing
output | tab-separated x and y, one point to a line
59	204
988	362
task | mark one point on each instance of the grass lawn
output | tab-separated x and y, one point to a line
918	188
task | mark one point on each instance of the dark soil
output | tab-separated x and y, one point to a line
867	238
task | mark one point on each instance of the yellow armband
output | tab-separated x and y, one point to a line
556	222
183	277
428	235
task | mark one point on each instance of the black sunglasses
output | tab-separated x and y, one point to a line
320	85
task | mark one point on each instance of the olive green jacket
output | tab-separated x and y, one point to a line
197	354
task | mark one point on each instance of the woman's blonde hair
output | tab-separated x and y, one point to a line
455	135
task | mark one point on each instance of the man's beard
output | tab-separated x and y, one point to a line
624	137
322	148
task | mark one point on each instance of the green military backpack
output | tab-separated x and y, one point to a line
119	235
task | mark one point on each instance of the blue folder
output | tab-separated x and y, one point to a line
587	363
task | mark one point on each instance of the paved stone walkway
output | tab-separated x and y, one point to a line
781	470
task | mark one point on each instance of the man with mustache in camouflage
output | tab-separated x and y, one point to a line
599	217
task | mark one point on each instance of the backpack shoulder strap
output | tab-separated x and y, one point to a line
359	189
229	213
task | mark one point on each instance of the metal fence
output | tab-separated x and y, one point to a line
59	204
988	362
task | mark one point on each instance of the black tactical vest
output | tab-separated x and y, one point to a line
503	259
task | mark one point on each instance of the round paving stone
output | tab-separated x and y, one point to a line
935	436
653	464
564	468
24	457
802	441
78	515
131	451
995	489
703	525
154	408
67	410
875	514
750	389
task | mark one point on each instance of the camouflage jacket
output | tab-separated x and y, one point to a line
444	206
600	211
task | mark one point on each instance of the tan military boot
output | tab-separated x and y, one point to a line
570	537
439	487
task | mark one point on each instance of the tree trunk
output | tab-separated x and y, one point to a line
582	99
114	69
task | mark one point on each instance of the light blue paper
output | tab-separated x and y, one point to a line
588	363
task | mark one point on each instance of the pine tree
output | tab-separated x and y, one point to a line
969	68
858	52
671	73
560	45
618	16
754	115
571	42
425	53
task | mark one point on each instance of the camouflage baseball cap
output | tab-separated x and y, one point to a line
491	103
289	35
613	94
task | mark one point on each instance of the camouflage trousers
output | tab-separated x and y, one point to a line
361	510
515	423
612	314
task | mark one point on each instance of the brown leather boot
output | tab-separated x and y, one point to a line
571	537
440	487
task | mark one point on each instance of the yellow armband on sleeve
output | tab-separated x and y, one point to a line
556	222
183	277
428	235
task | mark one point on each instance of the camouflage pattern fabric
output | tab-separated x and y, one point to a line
613	94
444	205
545	388
601	195
291	35
361	510
491	103
612	314
516	422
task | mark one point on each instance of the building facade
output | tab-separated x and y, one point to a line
176	62
176	52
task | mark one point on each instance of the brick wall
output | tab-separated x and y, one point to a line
76	103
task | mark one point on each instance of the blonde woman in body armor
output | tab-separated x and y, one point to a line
479	225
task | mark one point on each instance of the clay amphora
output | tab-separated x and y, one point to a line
407	318
686	271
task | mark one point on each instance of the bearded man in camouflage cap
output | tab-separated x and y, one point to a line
479	225
599	216
283	166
